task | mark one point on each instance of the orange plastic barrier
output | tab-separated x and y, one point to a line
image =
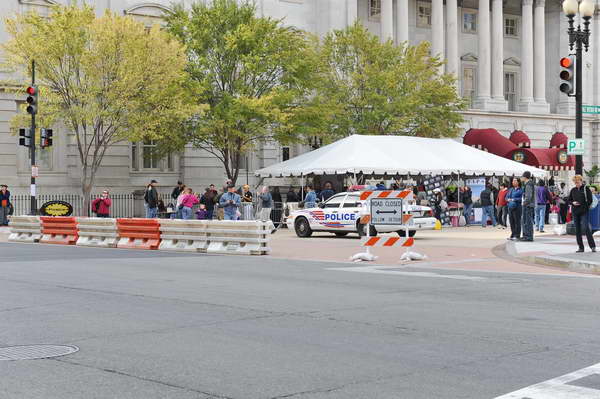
138	233
59	230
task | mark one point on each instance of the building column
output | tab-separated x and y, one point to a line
498	101
387	20
401	21
539	49
351	11
527	101
437	29
452	39
483	99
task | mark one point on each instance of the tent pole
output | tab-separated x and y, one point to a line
302	186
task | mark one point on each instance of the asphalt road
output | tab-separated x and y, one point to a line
163	325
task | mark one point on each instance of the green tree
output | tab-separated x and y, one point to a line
592	173
108	79
370	87
254	73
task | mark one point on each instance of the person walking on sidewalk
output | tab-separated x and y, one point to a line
4	204
501	205
151	200
514	197
580	199
487	205
542	196
528	206
101	206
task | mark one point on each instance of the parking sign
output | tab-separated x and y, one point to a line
576	147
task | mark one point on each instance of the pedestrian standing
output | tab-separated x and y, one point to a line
563	203
188	200
514	198
209	200
291	195
230	203
528	209
502	205
327	192
178	207
542	197
310	199
177	190
151	200
266	200
4	204
466	197
487	205
101	206
580	199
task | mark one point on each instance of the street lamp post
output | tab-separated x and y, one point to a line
579	38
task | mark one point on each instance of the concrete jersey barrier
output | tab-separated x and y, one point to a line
25	229
97	232
239	237
183	235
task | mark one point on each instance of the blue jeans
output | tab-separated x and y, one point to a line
540	217
230	216
467	211
209	214
151	212
582	227
186	213
488	211
528	217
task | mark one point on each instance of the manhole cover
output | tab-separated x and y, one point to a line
28	352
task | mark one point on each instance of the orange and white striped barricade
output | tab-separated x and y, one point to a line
240	237
183	235
25	229
59	230
388	242
137	233
97	232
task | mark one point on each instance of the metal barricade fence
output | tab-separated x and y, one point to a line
122	204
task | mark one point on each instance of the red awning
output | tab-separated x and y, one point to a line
489	140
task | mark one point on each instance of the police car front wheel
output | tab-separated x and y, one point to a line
362	231
302	227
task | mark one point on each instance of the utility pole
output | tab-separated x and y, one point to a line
32	148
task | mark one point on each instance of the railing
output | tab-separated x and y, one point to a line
122	204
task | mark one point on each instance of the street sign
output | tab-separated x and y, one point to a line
35	172
590	109
386	211
576	147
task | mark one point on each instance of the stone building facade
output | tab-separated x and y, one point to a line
505	54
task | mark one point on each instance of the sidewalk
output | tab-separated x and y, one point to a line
556	251
4	233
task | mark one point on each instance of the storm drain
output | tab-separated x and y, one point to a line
30	352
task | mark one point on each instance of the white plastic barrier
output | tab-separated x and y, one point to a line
183	235
97	232
25	229
242	237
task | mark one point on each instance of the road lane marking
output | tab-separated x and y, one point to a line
563	387
384	270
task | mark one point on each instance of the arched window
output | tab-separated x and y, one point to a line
148	13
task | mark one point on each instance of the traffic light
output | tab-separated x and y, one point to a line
567	75
32	100
25	137
45	138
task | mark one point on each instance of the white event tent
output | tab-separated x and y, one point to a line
398	155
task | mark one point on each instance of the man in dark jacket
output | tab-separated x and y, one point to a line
4	204
209	199
580	199
177	190
466	197
528	206
151	200
487	205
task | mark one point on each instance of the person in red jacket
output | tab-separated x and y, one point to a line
101	206
502	205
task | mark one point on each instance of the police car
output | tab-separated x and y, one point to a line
341	215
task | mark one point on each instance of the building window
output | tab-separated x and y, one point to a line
374	9
134	156
511	27
470	21
170	163
424	15
468	84
149	155
285	153
510	90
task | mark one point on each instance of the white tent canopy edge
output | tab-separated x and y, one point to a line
397	155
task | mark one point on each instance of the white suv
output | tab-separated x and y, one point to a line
341	215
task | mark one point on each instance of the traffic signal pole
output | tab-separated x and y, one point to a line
579	103
32	149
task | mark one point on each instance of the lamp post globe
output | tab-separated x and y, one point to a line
587	8
570	7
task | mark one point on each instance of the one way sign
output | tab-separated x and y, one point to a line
386	211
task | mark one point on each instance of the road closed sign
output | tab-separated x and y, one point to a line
386	211
576	147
